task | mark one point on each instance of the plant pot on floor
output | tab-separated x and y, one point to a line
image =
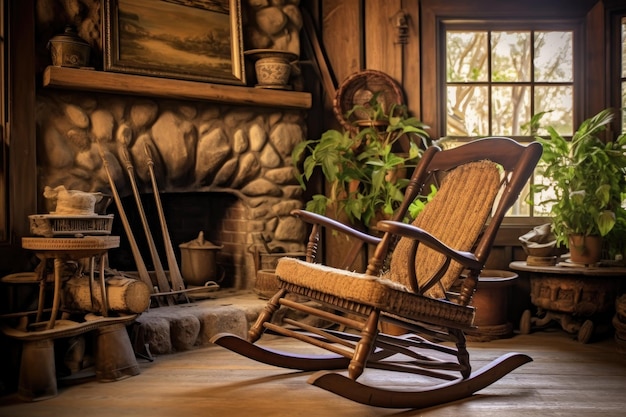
491	301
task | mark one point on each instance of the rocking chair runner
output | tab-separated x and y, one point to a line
477	184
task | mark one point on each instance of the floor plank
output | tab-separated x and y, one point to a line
566	378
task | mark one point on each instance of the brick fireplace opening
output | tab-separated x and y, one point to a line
223	217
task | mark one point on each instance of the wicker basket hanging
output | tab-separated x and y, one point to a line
359	88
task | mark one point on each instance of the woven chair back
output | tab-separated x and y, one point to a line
456	216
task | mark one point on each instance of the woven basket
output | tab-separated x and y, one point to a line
359	88
48	225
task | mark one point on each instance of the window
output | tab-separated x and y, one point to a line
496	80
488	67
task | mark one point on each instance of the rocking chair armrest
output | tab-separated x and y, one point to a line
314	218
467	259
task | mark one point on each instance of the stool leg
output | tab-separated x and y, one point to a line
115	358
58	268
37	379
41	274
103	288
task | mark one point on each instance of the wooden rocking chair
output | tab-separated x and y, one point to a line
407	283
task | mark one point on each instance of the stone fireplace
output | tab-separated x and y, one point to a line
223	166
223	170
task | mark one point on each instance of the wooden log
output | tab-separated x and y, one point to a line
124	295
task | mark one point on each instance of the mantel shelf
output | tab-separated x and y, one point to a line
110	82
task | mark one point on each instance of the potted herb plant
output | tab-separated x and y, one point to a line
363	166
588	183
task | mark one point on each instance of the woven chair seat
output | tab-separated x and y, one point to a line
377	292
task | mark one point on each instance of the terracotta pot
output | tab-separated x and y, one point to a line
585	249
492	297
272	67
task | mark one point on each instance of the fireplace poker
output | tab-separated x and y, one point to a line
142	271
161	278
175	277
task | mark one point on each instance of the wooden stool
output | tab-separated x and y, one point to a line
115	358
62	250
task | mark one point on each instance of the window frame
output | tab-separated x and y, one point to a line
615	12
489	14
501	27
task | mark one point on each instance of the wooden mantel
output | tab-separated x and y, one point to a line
110	82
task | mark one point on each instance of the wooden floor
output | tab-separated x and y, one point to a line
566	378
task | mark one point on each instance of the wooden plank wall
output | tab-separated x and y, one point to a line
361	34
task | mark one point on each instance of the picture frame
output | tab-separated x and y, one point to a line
195	40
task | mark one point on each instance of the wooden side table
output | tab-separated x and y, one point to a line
61	250
572	296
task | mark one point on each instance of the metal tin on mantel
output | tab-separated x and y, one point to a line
69	50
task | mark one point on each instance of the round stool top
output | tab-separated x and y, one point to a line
71	243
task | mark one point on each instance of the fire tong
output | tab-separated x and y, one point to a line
142	271
175	277
159	272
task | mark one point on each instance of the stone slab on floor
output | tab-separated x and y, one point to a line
185	326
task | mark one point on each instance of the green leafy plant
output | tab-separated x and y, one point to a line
363	166
587	178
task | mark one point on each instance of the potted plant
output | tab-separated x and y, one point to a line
587	178
363	166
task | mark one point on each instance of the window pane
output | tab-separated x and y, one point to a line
466	56
557	101
545	195
510	56
521	208
510	109
553	57
468	111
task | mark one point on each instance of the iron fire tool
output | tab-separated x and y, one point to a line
161	278
175	277
142	271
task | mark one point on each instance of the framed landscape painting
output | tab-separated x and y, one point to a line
197	40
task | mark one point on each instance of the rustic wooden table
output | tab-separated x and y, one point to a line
573	296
